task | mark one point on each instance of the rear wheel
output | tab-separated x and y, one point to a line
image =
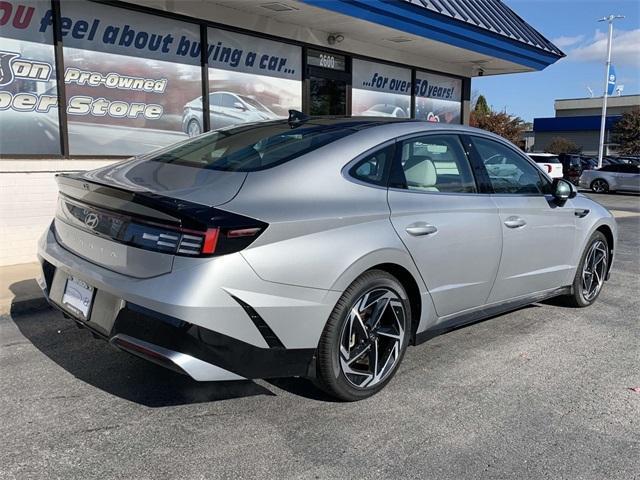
591	272
365	338
600	186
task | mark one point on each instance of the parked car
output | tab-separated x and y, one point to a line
625	176
385	110
550	163
316	247
225	108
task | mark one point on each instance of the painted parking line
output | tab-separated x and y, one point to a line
624	213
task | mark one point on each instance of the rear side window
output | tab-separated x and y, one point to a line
435	163
252	147
374	167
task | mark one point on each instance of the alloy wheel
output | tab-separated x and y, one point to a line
599	186
372	338
594	270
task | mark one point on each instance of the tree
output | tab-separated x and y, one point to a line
626	133
500	123
482	107
561	145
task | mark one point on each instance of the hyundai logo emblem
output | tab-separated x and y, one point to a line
91	220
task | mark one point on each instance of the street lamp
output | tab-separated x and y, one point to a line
603	120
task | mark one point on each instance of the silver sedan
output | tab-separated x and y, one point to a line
316	247
611	178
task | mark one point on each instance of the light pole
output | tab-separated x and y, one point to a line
603	120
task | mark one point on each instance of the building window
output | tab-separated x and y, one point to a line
130	78
380	90
438	98
251	79
28	88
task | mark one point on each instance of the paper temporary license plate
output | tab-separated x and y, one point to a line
77	297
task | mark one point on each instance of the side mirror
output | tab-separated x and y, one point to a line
563	191
239	106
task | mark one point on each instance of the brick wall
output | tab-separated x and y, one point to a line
28	195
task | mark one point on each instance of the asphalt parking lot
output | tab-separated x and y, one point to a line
543	392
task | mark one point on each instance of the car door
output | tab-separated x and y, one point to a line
450	229
538	236
629	177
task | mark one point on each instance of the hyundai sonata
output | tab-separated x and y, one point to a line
316	247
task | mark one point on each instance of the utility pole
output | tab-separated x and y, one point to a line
603	120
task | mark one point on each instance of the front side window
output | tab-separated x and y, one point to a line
435	163
509	172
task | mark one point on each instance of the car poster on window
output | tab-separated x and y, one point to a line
251	79
28	88
380	90
128	76
438	98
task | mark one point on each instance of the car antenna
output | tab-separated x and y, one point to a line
297	118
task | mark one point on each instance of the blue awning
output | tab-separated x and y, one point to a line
572	124
488	27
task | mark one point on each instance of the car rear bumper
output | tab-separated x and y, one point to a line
213	319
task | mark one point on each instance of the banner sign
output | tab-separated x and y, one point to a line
381	78
243	53
611	80
28	88
380	90
250	79
438	98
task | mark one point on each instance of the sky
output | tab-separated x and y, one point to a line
572	26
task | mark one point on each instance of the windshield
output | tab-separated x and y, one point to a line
253	147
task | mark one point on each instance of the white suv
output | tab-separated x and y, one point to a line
549	162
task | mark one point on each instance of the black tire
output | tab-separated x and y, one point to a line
600	185
330	376
579	298
193	128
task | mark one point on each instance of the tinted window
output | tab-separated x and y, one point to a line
508	171
610	168
250	148
436	163
372	169
630	168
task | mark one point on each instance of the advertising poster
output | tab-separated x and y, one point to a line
438	98
251	79
380	90
128	76
28	89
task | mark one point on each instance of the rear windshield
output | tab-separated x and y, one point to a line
545	159
254	147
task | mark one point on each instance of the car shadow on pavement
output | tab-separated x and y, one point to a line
99	364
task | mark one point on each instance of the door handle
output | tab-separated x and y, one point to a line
421	228
515	222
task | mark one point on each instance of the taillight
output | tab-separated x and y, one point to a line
226	232
549	168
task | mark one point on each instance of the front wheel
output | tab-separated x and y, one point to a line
600	186
365	338
193	128
591	273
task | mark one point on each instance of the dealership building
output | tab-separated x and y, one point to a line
86	83
579	120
